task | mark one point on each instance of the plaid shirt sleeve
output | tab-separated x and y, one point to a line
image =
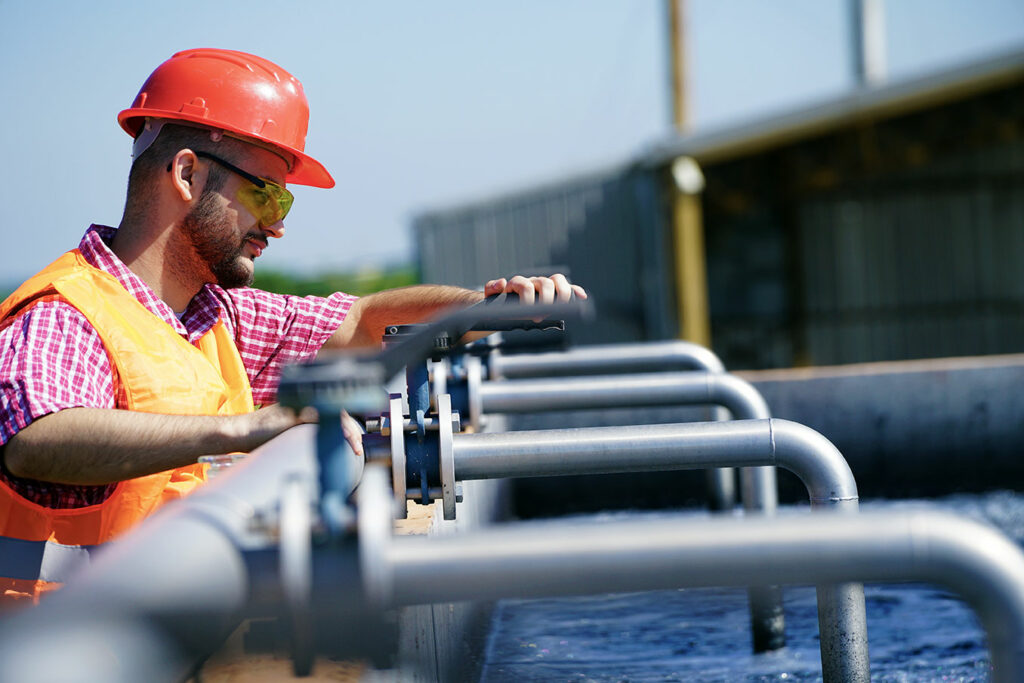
272	330
51	358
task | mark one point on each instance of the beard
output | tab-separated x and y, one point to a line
217	246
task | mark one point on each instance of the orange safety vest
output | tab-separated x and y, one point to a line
161	373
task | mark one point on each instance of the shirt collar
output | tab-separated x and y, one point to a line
202	311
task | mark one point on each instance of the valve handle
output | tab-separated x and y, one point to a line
443	343
483	316
355	382
501	325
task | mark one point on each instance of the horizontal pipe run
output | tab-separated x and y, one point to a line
747	443
758	485
179	581
606	359
621	391
697	445
535	560
738	396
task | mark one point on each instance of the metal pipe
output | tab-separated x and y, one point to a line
841	618
868	42
758	488
611	391
737	396
164	593
759	491
694	445
596	450
645	357
606	359
529	560
179	581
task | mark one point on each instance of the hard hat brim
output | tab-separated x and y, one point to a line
304	171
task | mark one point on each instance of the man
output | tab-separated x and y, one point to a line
128	358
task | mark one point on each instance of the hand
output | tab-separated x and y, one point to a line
353	433
273	419
543	290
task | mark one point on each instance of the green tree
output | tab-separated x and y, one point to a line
359	283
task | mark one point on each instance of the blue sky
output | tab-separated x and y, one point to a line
419	105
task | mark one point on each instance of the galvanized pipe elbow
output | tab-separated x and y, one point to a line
738	395
683	354
698	445
984	566
817	462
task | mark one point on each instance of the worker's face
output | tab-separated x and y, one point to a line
225	235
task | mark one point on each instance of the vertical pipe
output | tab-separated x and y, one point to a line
759	493
868	42
842	621
677	63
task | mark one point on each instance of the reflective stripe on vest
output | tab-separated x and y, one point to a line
42	560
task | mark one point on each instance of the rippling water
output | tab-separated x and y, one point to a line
915	632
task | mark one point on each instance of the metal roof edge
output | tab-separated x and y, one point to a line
863	104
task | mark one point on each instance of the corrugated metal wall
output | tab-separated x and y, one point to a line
606	231
923	272
889	240
927	268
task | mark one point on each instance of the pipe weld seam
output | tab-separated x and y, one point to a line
835	499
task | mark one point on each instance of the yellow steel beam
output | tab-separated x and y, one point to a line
691	268
687	220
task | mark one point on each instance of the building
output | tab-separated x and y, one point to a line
886	224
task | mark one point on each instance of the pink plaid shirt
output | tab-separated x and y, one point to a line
51	358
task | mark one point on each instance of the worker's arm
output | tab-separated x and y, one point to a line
90	446
365	323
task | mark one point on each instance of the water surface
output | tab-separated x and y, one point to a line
916	632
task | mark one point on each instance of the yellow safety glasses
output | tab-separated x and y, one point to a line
267	200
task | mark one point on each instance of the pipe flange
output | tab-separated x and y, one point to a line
396	418
374	525
295	558
474	374
446	454
439	371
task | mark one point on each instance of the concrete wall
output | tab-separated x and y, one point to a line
915	427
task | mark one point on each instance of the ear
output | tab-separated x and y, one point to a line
184	174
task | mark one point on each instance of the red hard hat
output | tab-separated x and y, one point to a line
236	92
